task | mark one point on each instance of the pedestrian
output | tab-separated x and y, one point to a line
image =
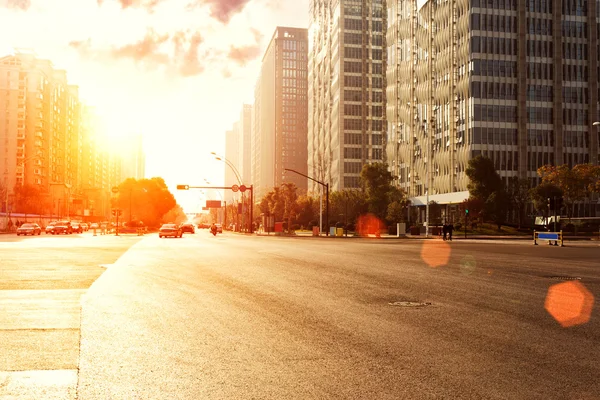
10	225
18	223
445	230
450	229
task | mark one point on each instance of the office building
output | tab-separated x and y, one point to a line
515	81
346	96
279	136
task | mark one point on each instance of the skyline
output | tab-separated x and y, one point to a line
166	68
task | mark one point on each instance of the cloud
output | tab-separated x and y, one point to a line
221	10
16	4
147	4
243	54
177	51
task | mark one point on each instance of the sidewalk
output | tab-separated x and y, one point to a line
423	237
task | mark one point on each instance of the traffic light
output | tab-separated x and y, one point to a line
466	211
183	187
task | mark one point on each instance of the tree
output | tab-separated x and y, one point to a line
30	199
290	196
571	182
308	210
497	207
483	178
148	199
519	196
540	195
376	182
348	205
175	215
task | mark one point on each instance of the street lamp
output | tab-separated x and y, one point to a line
326	185
230	164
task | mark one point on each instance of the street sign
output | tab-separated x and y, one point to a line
115	189
213	203
235	188
243	188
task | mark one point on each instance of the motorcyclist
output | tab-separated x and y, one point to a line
213	229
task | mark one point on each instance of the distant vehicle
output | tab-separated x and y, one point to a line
62	227
219	228
50	227
29	229
85	226
170	230
94	226
187	227
76	227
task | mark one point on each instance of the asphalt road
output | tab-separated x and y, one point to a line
238	317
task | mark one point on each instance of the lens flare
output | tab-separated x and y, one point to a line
467	265
369	224
435	253
569	303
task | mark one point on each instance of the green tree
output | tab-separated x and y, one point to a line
308	210
290	196
376	182
540	195
483	178
571	182
497	207
519	196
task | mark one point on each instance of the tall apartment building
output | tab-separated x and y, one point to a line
100	169
133	164
40	113
238	152
42	136
245	144
513	80
280	113
346	96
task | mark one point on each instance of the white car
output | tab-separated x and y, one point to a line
170	230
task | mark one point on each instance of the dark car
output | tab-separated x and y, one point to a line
29	229
76	227
188	228
62	227
170	230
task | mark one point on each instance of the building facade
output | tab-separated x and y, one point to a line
43	139
513	80
279	136
346	95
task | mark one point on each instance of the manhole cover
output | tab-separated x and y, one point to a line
409	304
565	278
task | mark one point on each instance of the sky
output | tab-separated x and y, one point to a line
175	71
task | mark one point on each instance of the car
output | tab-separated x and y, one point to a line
29	229
94	225
85	226
170	230
76	227
219	228
62	227
187	227
50	227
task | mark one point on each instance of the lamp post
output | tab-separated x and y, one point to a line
239	179
326	185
